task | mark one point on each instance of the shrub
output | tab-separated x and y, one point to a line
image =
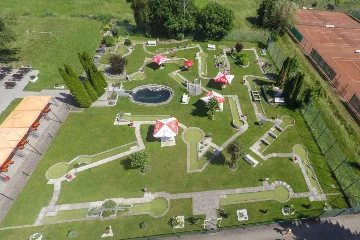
72	234
127	42
180	36
105	18
106	27
108	213
143	225
139	160
109	41
119	31
109	204
239	46
117	64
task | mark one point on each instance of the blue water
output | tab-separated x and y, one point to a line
151	95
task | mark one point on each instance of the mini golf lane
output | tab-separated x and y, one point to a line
280	194
301	151
192	136
57	171
156	207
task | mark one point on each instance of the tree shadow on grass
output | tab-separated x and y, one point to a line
150	137
214	85
253	21
126	163
200	109
218	160
9	55
153	65
195	221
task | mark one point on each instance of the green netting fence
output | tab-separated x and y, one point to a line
355	103
323	64
296	34
276	54
343	170
355	13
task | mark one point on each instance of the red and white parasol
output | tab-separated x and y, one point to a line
160	59
224	78
189	63
166	128
220	98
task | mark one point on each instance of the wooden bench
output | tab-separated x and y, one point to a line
249	159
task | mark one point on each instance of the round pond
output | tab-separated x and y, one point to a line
152	95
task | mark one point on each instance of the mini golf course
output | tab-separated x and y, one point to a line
192	136
280	194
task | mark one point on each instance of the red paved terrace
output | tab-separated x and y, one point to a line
336	45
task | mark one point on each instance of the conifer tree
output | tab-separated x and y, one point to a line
283	71
298	88
77	89
90	90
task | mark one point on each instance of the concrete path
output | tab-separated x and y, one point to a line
47	131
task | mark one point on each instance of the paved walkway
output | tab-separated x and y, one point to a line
11	189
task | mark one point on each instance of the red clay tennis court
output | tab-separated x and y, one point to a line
333	38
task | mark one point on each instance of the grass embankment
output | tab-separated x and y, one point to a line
4	114
45	52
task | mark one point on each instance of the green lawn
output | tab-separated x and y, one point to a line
120	9
280	193
256	211
9	109
138	76
124	227
47	53
156	207
121	50
67	215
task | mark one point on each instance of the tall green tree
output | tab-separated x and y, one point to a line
141	11
139	160
7	35
90	90
117	64
77	89
236	151
95	77
298	88
212	106
283	72
172	17
95	82
277	15
215	21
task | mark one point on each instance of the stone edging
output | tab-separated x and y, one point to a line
188	159
46	174
86	156
149	213
152	86
307	156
